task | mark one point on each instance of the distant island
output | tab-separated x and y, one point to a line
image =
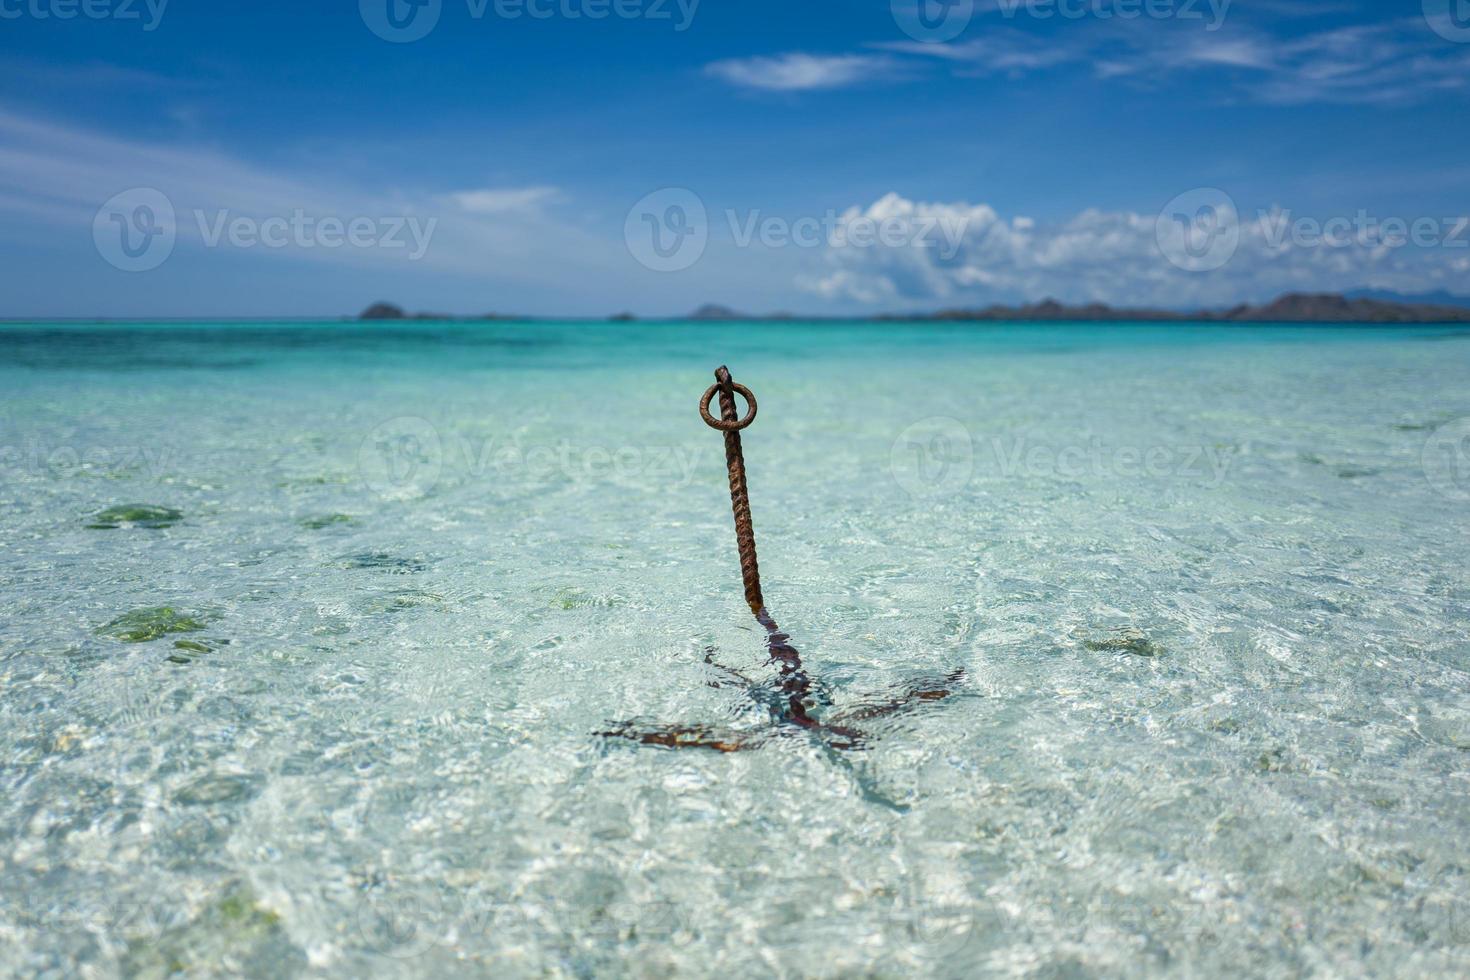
1290	308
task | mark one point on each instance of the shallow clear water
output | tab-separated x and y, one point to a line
1207	584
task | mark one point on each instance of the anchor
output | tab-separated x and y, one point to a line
794	696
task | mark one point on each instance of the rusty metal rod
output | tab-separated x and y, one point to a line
730	424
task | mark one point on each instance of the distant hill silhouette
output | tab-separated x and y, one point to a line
1441	297
714	311
1290	308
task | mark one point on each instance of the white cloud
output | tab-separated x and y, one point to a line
1112	257
797	71
1389	63
1002	50
505	199
59	176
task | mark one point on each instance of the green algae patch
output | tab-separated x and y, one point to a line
1272	760
234	935
240	907
135	515
190	650
145	625
1125	639
323	521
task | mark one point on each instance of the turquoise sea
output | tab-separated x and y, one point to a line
328	704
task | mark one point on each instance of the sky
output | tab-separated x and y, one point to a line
177	158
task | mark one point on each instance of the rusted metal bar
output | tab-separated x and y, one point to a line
730	424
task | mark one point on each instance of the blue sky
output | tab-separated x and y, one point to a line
1031	154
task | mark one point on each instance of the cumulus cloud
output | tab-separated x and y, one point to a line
1116	257
797	71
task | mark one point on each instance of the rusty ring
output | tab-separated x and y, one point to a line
721	424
